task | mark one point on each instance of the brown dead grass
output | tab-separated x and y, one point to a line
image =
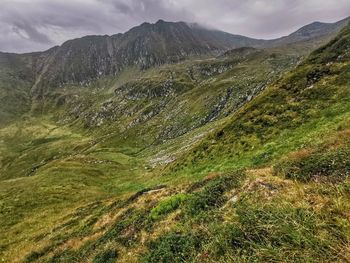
212	176
77	243
108	219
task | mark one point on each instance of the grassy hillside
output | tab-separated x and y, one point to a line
210	160
15	84
85	144
297	111
292	207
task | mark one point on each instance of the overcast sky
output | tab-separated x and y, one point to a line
33	25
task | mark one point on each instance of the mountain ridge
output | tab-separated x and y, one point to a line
99	171
336	24
313	30
84	59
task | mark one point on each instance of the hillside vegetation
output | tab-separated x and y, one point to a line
242	157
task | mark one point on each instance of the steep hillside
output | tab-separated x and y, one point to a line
297	111
19	76
239	157
292	207
15	84
105	141
146	109
86	59
82	60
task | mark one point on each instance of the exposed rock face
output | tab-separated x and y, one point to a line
84	59
172	100
80	62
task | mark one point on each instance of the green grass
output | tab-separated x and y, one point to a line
83	174
271	219
310	102
172	248
108	256
167	206
323	163
15	84
69	143
67	174
212	196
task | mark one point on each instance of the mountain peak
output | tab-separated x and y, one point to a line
160	21
146	45
150	44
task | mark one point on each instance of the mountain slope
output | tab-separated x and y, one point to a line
151	107
313	31
15	83
108	140
273	185
93	174
84	59
312	98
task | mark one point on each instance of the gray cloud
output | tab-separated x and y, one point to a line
150	10
27	31
30	25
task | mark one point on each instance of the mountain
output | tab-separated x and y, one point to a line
278	120
155	44
211	154
16	80
314	30
85	59
82	60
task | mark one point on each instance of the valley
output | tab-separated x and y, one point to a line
234	151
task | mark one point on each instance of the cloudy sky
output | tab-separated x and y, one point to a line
32	25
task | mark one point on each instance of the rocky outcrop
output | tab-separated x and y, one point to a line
82	60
